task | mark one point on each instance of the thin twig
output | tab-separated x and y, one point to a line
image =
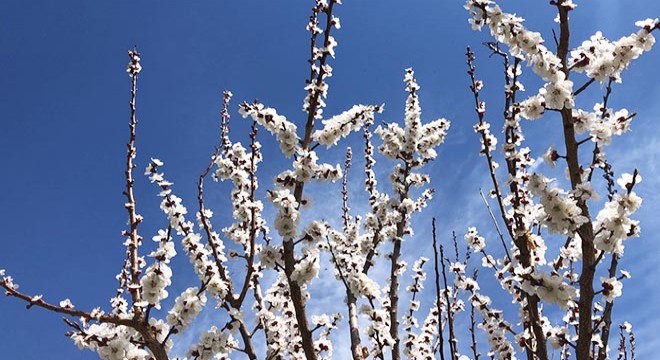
437	291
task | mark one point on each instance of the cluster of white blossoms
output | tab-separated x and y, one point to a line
340	126
551	288
278	125
158	276
495	331
186	308
317	87
7	280
613	223
558	94
488	140
306	269
306	168
348	258
288	216
213	344
323	345
533	107
508	29
269	314
419	275
133	68
602	59
276	314
493	323
561	214
270	256
200	255
116	342
414	139
474	240
171	204
419	345
235	163
378	329
603	123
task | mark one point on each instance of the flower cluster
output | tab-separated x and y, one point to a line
213	344
186	308
200	256
474	240
508	29
602	59
288	216
419	346
239	166
349	261
317	87
323	345
561	213
557	94
276	315
112	342
307	269
613	222
488	140
306	168
339	126
414	138
602	123
552	289
378	329
533	107
278	125
158	276
133	68
493	324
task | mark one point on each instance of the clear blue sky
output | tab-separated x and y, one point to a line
64	115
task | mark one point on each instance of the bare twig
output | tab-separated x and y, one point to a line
497	226
437	292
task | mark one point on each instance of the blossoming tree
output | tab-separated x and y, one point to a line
259	278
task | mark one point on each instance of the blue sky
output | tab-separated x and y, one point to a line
64	115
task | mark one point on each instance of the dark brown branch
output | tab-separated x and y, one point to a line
583	351
607	313
583	87
473	323
481	111
512	168
437	292
450	317
38	302
394	269
288	244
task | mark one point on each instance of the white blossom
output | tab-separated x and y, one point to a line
611	288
